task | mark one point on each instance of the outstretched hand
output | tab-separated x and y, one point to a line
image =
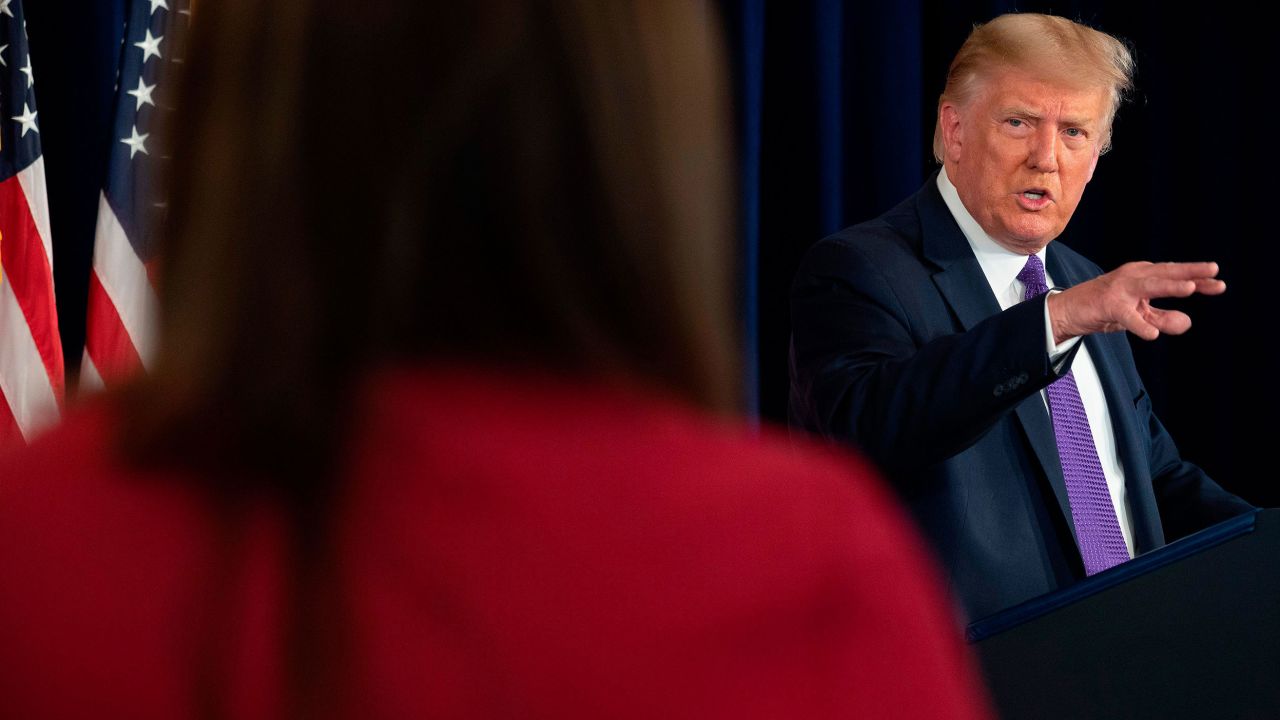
1121	300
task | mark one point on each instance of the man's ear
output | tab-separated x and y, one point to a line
952	137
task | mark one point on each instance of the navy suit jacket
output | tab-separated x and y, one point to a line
900	348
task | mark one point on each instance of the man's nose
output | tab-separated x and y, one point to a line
1043	155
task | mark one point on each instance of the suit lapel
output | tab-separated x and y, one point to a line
1144	516
959	277
963	285
1039	429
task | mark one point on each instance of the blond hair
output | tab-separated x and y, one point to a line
1054	48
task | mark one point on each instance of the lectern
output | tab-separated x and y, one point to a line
1191	630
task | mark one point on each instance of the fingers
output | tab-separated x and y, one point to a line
1169	322
1150	324
1158	287
1178	271
1121	299
1206	286
1176	279
1136	323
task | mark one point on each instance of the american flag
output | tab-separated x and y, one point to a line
31	368
120	325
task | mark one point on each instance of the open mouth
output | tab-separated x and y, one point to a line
1035	193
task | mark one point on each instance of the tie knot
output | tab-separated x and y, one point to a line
1032	277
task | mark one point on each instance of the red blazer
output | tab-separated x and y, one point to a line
522	547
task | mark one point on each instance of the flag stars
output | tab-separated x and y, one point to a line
26	70
150	46
136	143
27	118
156	4
2	62
143	94
4	8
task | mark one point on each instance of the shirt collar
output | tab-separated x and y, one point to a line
999	264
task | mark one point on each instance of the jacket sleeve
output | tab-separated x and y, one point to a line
865	371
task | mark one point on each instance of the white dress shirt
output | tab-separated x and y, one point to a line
1001	266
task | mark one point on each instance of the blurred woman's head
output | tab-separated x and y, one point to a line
512	182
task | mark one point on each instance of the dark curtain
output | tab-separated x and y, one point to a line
75	50
835	109
835	118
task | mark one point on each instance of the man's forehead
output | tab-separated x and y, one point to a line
1035	93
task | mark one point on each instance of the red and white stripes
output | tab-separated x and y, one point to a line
120	326
31	367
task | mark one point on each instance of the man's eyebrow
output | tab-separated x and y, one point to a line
1019	111
1070	121
1024	112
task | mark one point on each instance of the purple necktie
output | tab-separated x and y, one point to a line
1097	530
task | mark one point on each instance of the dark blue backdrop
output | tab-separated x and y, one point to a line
836	103
75	48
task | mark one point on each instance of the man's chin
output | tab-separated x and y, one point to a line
1028	238
1025	244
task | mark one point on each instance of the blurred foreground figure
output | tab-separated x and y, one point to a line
440	426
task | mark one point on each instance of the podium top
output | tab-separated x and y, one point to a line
1118	575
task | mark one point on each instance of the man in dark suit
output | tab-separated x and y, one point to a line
1012	420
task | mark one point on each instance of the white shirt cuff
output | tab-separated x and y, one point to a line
1055	350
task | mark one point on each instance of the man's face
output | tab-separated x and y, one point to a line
1020	153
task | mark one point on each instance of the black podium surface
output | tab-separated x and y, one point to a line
1189	631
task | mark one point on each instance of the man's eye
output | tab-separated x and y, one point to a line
1015	122
1075	132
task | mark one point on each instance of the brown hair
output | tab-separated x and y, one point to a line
540	182
1052	47
537	181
